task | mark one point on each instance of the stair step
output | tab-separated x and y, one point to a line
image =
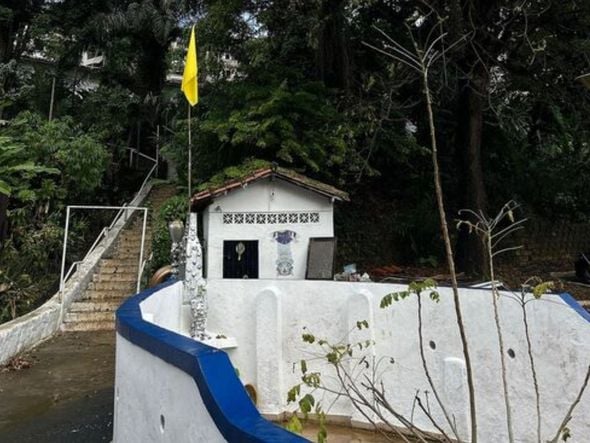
127	255
127	249
89	326
122	275
119	269
134	235
73	317
113	286
102	294
108	305
118	263
133	242
116	278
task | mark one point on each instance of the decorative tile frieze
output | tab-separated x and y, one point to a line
270	218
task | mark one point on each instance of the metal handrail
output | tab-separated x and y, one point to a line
74	265
142	269
66	230
95	243
147	177
116	219
141	154
122	210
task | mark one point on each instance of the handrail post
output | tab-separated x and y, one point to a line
63	256
139	270
157	150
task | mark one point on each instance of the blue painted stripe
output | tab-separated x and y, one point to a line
573	303
225	398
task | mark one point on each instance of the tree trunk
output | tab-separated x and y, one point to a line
471	256
332	53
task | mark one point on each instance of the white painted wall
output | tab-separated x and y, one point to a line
263	197
157	402
163	307
267	318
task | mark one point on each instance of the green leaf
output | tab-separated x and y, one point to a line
542	288
293	393
308	338
4	188
306	404
294	425
434	296
362	324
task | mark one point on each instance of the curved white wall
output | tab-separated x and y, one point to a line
157	402
267	318
170	388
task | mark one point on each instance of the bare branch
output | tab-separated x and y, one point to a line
388	54
570	411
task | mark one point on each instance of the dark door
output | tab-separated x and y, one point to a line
240	259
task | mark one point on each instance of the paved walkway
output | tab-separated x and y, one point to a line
65	396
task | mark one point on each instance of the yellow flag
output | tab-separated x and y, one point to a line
190	84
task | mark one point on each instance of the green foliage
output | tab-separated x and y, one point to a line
297	126
175	208
108	112
15	84
43	166
62	145
234	173
542	288
306	404
17	169
338	355
30	266
294	425
414	288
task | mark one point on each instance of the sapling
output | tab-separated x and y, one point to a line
421	60
359	379
492	232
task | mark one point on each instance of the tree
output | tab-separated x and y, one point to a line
15	15
148	27
16	172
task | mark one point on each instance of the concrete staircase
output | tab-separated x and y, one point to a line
116	276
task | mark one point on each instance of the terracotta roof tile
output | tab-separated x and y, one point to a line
282	173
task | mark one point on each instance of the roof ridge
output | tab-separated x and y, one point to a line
274	170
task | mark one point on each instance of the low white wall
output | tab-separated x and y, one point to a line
163	307
267	318
27	331
157	402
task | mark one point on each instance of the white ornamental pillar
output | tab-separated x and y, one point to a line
194	286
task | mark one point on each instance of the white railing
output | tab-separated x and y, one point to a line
122	213
133	151
104	233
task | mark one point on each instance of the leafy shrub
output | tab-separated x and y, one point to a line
63	145
175	208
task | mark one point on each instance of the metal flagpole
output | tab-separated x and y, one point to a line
190	154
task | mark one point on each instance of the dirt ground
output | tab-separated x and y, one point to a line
66	395
513	276
62	392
